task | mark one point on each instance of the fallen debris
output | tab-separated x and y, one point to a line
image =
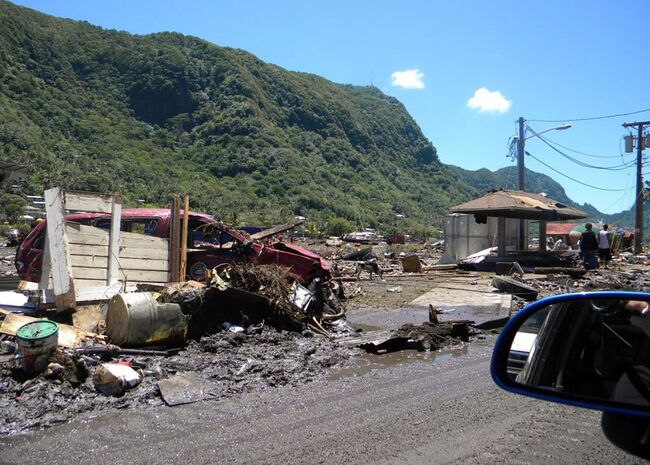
425	337
512	286
411	264
68	336
573	272
113	379
137	319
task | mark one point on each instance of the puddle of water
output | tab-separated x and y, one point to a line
366	363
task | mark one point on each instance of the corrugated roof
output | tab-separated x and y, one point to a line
519	204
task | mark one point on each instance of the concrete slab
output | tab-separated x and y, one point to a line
471	299
458	297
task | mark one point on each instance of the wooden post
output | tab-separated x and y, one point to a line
57	242
174	242
112	277
501	237
542	236
186	218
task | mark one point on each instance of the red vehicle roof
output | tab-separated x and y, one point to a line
559	229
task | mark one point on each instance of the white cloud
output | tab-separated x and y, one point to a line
489	102
408	79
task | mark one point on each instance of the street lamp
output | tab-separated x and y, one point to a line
521	142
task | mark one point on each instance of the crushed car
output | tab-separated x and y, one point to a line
211	244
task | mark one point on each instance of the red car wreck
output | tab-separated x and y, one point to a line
210	244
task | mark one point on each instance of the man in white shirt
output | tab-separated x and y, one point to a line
604	252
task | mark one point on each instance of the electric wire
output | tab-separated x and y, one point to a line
586	154
587	165
587	119
573	179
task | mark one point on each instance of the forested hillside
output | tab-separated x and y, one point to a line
163	114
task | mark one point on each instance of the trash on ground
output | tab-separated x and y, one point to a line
136	319
112	379
427	336
35	342
411	264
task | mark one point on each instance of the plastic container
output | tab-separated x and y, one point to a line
35	342
136	319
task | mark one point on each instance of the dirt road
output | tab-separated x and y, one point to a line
442	411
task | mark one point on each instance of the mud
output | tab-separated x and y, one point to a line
233	363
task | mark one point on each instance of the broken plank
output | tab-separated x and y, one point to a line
123	275
184	225
100	237
573	272
276	230
114	239
153	253
88	202
512	286
95	291
446	267
175	241
124	264
57	244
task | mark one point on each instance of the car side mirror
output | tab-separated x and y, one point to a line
591	350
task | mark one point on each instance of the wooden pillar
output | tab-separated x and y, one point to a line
501	237
184	232
175	241
542	236
57	249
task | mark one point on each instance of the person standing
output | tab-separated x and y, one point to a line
604	252
588	247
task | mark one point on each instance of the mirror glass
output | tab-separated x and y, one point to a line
594	349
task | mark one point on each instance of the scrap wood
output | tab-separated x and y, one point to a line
573	272
69	336
446	267
276	230
512	286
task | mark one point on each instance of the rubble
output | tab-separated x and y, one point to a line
250	327
428	336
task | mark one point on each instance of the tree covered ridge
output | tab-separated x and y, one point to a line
163	114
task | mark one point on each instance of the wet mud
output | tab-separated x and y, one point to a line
231	363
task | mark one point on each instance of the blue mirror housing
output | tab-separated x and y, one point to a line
581	350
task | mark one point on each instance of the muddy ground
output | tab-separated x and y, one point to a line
233	364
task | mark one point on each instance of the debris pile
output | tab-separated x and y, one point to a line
251	327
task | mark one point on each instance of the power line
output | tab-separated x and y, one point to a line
587	165
583	153
573	179
587	119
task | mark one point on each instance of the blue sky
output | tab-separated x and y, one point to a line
548	60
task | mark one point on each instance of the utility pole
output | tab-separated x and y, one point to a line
638	210
521	140
520	154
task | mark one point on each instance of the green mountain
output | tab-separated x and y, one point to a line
166	114
162	114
